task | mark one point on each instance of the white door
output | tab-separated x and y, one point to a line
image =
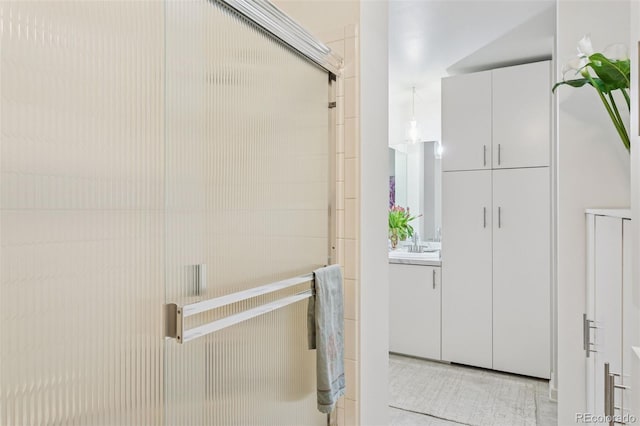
590	364
521	271
608	296
522	115
466	268
630	312
466	122
414	310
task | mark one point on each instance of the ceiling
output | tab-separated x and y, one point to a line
430	39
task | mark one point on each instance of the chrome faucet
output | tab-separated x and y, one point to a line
415	248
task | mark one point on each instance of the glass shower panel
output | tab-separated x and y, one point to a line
247	204
82	212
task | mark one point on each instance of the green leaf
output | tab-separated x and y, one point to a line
614	74
573	83
594	82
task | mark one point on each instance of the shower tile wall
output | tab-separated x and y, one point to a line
345	42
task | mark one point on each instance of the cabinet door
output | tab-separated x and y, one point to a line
630	312
521	271
608	302
590	311
466	122
466	267
522	115
414	310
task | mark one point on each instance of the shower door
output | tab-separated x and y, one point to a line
247	181
81	213
150	153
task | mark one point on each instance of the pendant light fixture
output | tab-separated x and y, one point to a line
413	132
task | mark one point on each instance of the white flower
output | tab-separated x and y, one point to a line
584	47
576	64
616	52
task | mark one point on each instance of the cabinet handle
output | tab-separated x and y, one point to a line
610	386
586	334
607	391
484	155
434	279
499	217
484	217
499	147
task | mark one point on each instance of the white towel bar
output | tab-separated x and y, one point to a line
175	314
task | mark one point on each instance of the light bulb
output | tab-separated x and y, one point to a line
413	131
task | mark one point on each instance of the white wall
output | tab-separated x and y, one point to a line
593	171
415	184
634	40
374	277
320	16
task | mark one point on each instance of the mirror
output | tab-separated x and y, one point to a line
415	182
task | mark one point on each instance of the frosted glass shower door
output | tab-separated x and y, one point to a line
81	212
247	171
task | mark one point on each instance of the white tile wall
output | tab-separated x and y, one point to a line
350	100
350	139
345	43
350	178
340	196
340	134
350	300
350	265
350	219
350	334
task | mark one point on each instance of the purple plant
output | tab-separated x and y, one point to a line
392	191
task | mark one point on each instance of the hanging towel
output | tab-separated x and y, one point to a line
325	321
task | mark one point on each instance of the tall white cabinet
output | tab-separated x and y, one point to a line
521	271
414	310
496	232
611	316
497	119
466	122
521	116
467	251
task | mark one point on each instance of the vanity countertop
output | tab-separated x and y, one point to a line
404	257
621	213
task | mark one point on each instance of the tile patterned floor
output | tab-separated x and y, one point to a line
546	410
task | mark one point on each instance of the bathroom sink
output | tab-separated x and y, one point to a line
434	254
402	256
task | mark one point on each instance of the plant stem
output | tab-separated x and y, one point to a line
626	98
620	123
622	134
621	131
